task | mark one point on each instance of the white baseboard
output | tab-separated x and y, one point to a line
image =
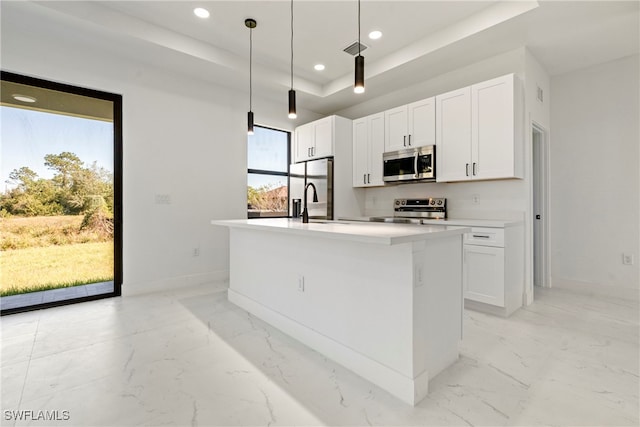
630	294
173	283
409	390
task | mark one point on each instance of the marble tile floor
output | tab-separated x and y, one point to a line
191	358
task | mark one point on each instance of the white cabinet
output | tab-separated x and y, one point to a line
493	269
314	140
411	125
368	146
483	278
479	131
453	135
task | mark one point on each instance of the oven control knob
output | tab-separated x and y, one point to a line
439	202
404	202
397	202
433	202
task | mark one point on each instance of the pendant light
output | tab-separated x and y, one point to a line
358	87
250	24
292	93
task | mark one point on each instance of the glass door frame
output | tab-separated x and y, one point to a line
117	181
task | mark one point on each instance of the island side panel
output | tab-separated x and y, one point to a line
438	304
357	294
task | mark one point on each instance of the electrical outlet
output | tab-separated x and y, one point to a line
418	278
475	199
163	199
627	259
301	283
196	252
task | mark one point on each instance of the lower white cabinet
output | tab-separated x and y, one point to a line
493	269
483	278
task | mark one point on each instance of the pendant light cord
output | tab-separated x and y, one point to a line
250	67
359	28
292	44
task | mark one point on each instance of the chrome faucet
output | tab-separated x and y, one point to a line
305	214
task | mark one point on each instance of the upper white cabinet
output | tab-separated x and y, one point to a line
479	131
368	146
314	140
453	135
411	125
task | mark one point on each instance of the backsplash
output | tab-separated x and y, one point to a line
503	199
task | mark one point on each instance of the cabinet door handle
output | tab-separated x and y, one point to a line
467	169
480	236
368	178
364	178
474	168
404	140
309	152
409	140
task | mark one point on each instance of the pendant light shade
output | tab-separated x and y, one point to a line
250	24
292	104
358	86
250	123
292	93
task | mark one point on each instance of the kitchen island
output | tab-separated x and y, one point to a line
384	300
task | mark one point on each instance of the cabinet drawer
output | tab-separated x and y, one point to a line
485	237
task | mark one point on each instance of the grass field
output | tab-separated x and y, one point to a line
51	252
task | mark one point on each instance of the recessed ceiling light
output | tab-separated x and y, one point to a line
318	67
24	98
374	35
201	12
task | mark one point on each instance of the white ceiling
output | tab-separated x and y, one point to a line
420	38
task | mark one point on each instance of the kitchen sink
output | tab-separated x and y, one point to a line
330	222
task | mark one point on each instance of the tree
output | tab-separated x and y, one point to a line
66	164
24	176
69	192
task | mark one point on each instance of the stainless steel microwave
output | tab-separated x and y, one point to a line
414	164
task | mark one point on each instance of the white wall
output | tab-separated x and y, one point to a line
182	137
595	216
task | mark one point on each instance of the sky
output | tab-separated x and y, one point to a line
267	150
26	136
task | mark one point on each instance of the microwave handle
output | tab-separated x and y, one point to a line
415	165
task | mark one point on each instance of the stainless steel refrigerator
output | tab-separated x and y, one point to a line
320	173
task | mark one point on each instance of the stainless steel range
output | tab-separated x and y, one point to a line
413	211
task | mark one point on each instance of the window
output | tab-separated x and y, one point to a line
61	205
268	173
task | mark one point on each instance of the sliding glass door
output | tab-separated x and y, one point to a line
61	201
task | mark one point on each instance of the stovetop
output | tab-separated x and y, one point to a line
413	211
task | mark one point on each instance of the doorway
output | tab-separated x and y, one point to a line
61	201
540	159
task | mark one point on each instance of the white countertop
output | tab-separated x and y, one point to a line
492	223
463	222
366	232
